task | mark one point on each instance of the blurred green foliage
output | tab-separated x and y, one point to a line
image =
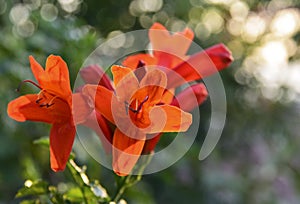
256	160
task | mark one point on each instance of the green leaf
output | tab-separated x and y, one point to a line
55	197
30	202
76	195
43	141
89	191
73	195
33	188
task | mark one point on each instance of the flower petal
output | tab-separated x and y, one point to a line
55	78
220	55
154	77
126	152
200	65
80	107
58	72
99	124
101	97
125	81
167	96
26	108
191	97
61	141
166	118
132	61
120	72
176	44
188	33
154	84
94	74
36	68
151	143
169	60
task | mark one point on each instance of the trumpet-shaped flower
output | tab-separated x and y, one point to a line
169	51
53	105
135	108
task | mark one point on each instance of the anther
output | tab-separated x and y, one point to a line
38	100
48	105
39	96
44	97
144	101
133	110
51	102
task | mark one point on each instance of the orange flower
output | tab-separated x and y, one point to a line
169	54
197	92
53	105
169	51
136	111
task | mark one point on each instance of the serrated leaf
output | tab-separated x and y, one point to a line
43	141
36	188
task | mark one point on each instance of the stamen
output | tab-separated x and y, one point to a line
27	81
144	101
44	97
139	107
51	102
46	104
134	111
39	96
136	105
38	100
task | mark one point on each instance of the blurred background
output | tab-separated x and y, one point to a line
257	158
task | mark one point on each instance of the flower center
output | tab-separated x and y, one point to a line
44	97
135	106
138	111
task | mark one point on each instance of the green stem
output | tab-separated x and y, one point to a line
81	187
83	195
131	180
121	188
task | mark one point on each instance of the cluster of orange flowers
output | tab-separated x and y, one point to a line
132	111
